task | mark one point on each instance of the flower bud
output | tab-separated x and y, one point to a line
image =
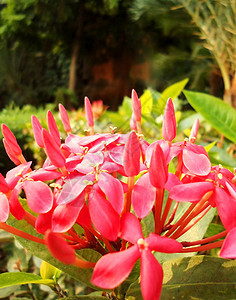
64	118
169	122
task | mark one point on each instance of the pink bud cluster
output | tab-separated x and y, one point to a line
107	183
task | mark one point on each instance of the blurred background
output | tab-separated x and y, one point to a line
60	51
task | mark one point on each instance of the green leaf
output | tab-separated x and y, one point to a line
173	92
218	113
199	277
146	102
210	146
134	291
214	229
18	278
41	251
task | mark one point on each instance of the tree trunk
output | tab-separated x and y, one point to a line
233	92
76	49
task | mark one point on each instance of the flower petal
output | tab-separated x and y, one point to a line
163	244
4	187
37	131
151	276
59	248
73	187
169	122
226	206
113	189
4	211
190	192
158	171
131	156
15	174
64	118
136	106
228	249
11	140
143	196
44	222
15	206
39	196
113	268
197	164
130	228
53	150
64	216
53	130
105	219
88	112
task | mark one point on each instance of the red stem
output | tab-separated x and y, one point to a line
20	233
166	211
197	209
30	219
205	211
203	248
184	216
127	204
206	240
158	210
83	264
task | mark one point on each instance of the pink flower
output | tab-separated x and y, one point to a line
37	130
112	269
169	122
88	112
131	158
136	105
64	118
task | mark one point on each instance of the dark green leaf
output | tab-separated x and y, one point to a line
218	113
199	277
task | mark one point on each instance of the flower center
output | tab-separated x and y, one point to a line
142	244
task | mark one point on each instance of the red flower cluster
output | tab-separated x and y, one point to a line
94	185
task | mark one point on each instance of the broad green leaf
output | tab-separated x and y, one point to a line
172	91
39	250
199	277
146	102
18	278
218	113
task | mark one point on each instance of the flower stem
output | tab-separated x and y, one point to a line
206	240
204	212
30	218
127	204
83	263
184	216
197	209
203	248
166	211
158	210
20	233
